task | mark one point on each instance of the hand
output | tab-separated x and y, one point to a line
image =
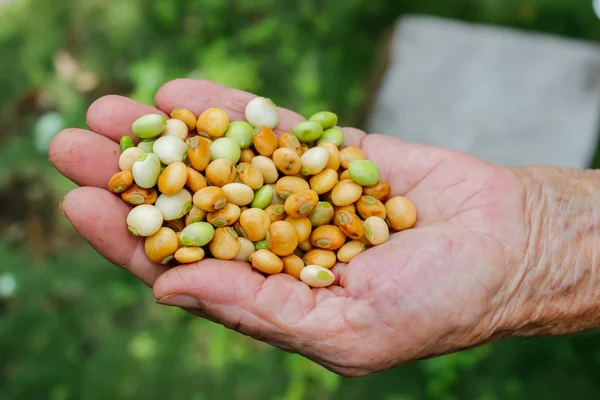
437	288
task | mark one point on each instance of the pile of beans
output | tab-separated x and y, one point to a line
233	190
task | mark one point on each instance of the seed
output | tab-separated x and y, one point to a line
161	246
238	193
328	237
265	141
307	131
316	276
381	191
289	141
146	145
195	215
210	198
267	167
241	132
327	119
401	213
225	148
350	225
170	149
250	176
186	116
333	135
324	258
195	181
177	128
287	161
197	234
254	224
349	154
300	204
146	171
350	250
213	122
221	172
262	111
188	255
198	152
364	172
176	225
333	161
345	175
322	214
376	231
276	212
120	182
225	244
144	220
292	265
174	206
149	126
246	249
125	143
282	238
247	155
349	208
261	245
173	178
314	160
324	181
289	185
136	195
303	227
266	262
129	157
276	198
306	245
226	216
346	192
262	197
369	206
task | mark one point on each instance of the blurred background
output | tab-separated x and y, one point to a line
74	327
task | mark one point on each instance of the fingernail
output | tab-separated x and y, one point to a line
179	300
62	210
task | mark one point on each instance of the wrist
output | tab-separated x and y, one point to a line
557	289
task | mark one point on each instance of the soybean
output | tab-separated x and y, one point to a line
401	213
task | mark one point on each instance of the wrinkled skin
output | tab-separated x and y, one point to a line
438	288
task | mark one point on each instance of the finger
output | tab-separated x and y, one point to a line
198	95
84	157
353	137
112	116
99	216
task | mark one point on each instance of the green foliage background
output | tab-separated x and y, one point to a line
74	327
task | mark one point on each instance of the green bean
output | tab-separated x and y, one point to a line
125	143
307	131
149	126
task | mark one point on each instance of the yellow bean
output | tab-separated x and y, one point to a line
324	181
345	175
287	161
226	216
350	250
334	155
349	154
369	206
250	176
303	227
346	192
136	195
316	276
328	237
288	140
120	182
292	265
195	181
265	141
401	213
276	212
198	152
254	224
173	178
246	249
161	246
225	244
238	193
195	215
350	225
289	185
324	258
267	167
187	255
246	156
299	205
266	262
381	191
376	231
220	172
282	238
214	122
351	208
306	245
210	198
186	116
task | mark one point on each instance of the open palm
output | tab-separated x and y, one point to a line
434	289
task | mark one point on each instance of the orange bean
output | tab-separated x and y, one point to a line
292	265
349	154
369	206
173	178
220	172
299	205
350	225
328	237
136	195
288	140
210	198
381	191
246	156
120	182
287	161
401	213
265	141
198	152
213	122
195	181
282	238
186	116
334	155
